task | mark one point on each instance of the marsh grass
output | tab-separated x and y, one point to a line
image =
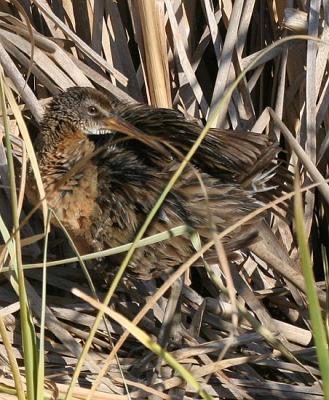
185	54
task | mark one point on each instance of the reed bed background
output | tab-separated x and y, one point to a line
181	54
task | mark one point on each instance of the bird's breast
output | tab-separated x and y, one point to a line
71	183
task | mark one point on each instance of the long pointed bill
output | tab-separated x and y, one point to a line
118	124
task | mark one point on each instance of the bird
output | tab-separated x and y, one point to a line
104	164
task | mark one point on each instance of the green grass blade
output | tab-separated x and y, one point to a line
12	361
158	237
41	364
28	333
318	328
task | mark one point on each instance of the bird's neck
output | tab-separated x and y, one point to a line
52	132
59	151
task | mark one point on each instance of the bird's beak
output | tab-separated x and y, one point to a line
117	124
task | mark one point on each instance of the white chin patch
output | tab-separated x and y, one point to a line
97	131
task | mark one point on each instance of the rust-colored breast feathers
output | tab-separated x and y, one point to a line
74	200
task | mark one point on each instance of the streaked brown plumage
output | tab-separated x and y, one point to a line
105	202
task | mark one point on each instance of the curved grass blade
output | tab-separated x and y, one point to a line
319	332
28	332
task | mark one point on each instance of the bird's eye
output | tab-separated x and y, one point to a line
92	110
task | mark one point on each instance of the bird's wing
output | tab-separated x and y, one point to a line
246	158
222	151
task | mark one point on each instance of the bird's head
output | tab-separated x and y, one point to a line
86	110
